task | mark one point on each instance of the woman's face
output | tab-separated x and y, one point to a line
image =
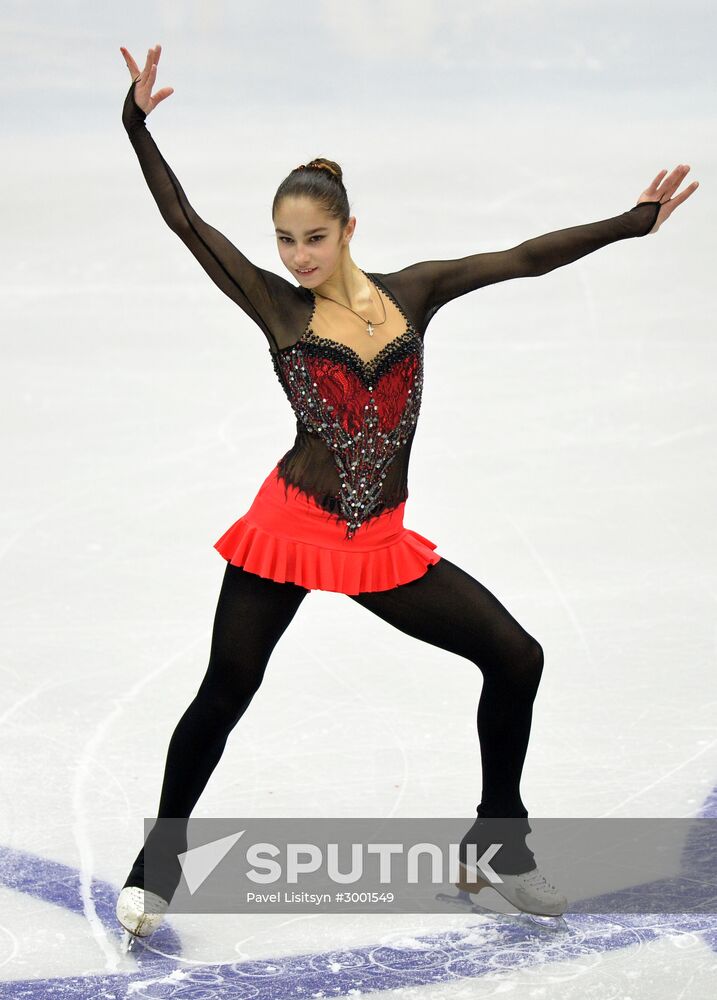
309	238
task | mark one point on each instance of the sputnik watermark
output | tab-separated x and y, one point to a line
269	863
650	865
266	869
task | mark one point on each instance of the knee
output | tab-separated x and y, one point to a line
519	665
534	656
227	691
531	662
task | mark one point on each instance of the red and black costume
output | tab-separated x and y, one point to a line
329	516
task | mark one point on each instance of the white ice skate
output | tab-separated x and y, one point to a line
530	891
140	912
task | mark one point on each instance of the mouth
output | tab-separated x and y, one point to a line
305	274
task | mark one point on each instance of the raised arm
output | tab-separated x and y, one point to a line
426	286
264	296
431	283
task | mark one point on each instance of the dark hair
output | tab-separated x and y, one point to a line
321	180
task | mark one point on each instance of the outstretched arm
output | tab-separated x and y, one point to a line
430	284
258	292
444	280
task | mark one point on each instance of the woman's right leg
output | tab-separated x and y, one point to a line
251	616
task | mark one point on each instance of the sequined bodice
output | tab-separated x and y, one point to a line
365	413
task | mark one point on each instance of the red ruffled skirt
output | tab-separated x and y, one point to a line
292	539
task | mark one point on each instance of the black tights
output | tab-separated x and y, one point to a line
445	607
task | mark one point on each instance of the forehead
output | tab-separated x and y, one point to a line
300	214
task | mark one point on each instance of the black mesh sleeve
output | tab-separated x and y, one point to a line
274	304
426	286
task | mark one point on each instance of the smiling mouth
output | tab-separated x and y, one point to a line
308	271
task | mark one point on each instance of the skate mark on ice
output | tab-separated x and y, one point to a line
401	959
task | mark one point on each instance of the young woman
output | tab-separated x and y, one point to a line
347	348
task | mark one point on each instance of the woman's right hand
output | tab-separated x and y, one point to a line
146	79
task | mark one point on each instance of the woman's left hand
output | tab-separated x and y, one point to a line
663	188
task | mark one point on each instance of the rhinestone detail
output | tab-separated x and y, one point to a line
363	447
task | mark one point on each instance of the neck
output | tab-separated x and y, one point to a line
346	285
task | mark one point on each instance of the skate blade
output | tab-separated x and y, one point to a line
128	941
549	922
464	901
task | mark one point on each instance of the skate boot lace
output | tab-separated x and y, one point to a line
536	880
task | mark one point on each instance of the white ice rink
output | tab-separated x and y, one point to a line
564	457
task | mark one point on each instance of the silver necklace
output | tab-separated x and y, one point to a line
369	324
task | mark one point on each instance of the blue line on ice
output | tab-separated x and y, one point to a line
410	961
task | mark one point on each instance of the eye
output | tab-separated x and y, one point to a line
283	238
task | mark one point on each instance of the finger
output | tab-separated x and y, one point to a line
677	176
153	68
161	94
131	64
145	83
671	182
656	180
685	194
683	173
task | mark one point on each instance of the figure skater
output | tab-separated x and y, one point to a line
347	348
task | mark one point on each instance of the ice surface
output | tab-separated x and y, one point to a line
141	413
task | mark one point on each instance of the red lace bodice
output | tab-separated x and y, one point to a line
363	413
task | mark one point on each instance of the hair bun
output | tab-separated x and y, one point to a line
320	163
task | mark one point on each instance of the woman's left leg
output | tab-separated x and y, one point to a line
450	609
